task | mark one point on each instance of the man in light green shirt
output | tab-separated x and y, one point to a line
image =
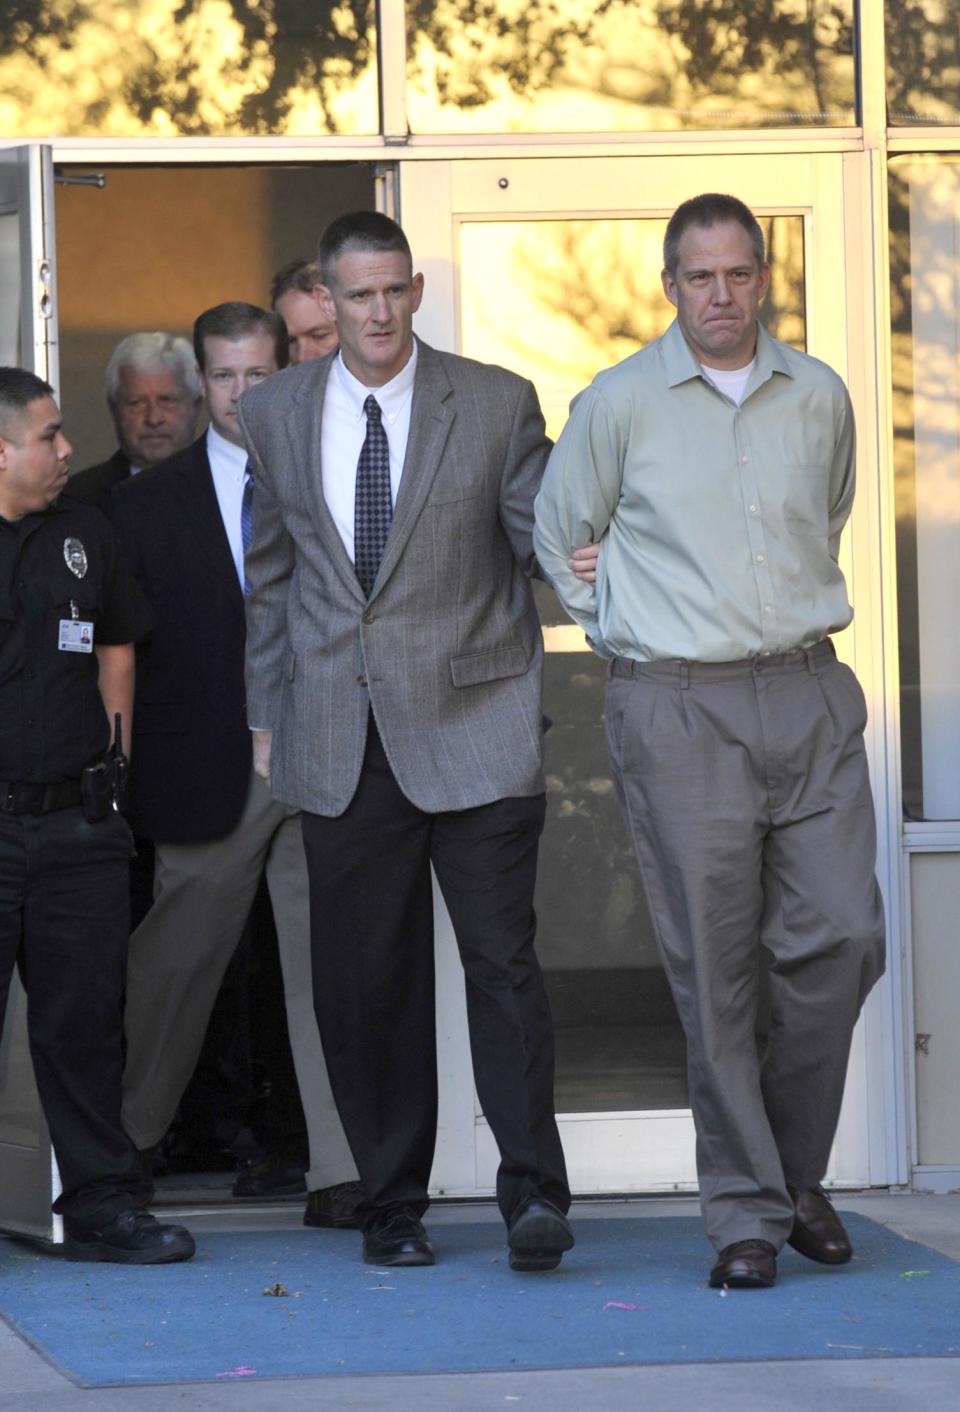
716	470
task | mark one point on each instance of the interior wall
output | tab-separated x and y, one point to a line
158	245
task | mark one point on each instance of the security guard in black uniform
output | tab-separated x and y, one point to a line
69	616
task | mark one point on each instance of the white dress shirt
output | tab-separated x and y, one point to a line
228	466
344	430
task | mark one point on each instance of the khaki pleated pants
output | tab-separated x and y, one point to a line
178	956
745	791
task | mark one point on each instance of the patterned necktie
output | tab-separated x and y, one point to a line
373	510
246	521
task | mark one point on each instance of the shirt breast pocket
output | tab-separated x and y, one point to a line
84	606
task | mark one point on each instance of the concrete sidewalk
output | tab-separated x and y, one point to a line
29	1384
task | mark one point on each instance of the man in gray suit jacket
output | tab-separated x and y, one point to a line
394	664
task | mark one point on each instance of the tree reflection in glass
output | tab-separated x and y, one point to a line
629	65
165	68
923	61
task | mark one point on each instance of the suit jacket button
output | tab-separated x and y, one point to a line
368	618
361	680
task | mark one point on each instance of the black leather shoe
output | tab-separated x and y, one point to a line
746	1264
132	1238
817	1229
538	1235
335	1207
273	1176
396	1237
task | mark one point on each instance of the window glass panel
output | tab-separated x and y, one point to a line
168	68
559	300
628	65
923	61
925	343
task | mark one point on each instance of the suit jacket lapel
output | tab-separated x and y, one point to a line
202	522
306	456
431	417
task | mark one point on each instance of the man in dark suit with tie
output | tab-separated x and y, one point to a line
215	826
154	396
394	674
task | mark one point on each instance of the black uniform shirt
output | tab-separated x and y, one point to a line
52	721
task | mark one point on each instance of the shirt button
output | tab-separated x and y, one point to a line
743	460
768	607
753	509
760	558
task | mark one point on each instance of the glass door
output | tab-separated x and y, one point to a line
28	1174
552	267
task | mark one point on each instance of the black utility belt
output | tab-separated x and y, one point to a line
22	797
96	791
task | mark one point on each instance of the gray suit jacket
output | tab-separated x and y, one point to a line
448	650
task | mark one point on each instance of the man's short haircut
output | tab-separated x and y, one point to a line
301	276
359	230
18	389
152	353
704	211
236	320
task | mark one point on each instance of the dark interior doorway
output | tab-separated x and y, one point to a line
158	244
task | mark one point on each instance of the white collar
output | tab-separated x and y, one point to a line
229	455
390	397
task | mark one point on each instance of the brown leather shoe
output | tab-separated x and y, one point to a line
746	1264
817	1229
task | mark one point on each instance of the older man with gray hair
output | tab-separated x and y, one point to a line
154	396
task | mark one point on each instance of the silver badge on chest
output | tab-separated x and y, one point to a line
75	557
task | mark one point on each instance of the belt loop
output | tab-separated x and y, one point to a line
684	675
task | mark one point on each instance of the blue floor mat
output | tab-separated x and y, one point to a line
301	1304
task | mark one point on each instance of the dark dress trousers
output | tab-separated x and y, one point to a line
407	727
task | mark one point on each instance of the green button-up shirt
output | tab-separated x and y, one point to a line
720	525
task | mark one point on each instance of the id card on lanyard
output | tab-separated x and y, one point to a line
75	635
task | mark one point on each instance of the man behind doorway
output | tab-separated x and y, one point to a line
716	468
154	397
216	829
295	294
394	653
